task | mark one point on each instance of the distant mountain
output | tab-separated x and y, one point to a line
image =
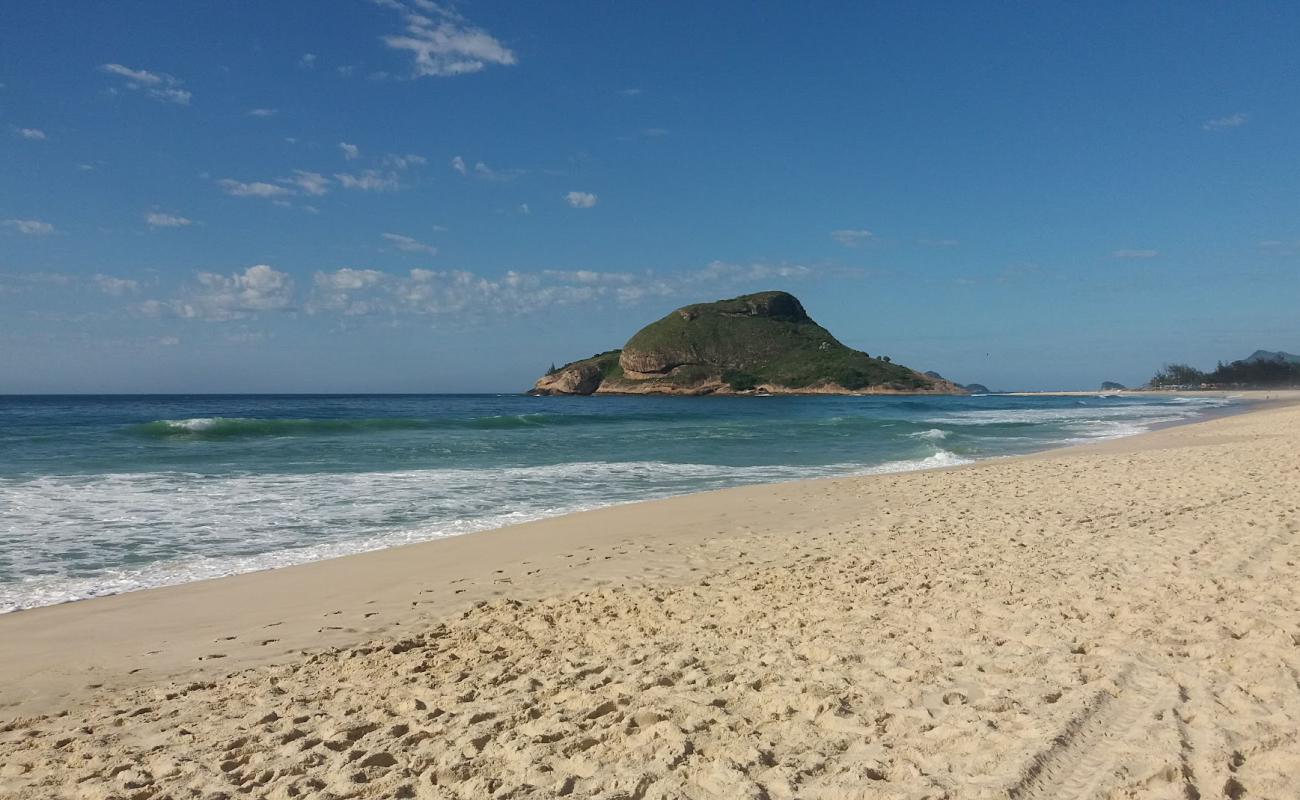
1112	386
762	343
1272	355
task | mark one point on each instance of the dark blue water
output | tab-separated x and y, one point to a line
106	494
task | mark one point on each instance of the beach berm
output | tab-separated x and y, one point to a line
1113	620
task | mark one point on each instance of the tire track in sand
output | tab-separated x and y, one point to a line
1085	758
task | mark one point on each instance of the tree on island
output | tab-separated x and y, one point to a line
1238	374
1178	375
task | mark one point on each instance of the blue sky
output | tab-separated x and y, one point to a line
402	196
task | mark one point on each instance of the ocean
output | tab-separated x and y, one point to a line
100	495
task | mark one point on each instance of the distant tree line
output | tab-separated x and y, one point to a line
1237	373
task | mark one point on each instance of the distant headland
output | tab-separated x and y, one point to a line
755	344
1262	369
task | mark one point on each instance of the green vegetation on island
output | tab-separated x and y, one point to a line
756	343
1262	369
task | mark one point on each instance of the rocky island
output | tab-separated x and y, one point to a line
762	343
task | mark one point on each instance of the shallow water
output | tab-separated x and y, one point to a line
100	495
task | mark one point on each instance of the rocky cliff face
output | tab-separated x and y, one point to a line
757	343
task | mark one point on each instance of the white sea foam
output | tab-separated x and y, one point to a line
933	434
181	527
1085	414
66	537
195	424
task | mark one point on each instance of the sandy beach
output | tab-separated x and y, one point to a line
1116	620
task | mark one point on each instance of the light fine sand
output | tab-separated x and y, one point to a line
1110	621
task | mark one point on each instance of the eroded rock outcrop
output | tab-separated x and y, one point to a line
756	343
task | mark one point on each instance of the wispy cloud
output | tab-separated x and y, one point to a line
1280	247
157	219
310	183
30	227
255	189
350	151
31	134
115	287
1135	253
307	61
1222	123
482	170
158	85
219	298
408	245
368	181
355	292
629	92
445	44
581	199
851	237
404	162
262	112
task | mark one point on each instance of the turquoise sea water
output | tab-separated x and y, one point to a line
100	495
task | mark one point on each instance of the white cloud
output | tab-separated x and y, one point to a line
1230	121
629	92
310	183
1135	254
403	162
157	219
255	189
345	290
581	199
851	238
138	76
30	227
368	181
348	279
33	134
115	287
307	61
1279	247
457	292
656	132
263	112
350	151
408	245
447	45
525	210
226	297
482	170
158	85
590	277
